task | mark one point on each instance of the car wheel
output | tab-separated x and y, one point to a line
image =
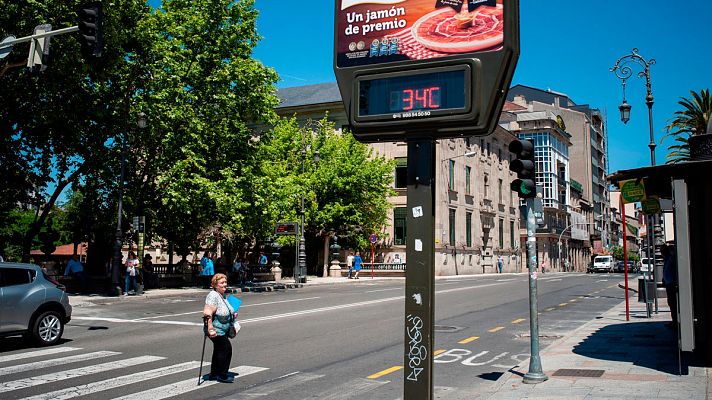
48	328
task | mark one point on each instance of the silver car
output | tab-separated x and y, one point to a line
32	304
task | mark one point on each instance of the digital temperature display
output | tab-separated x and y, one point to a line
418	95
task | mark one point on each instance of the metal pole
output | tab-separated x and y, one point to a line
535	374
301	277
10	43
115	275
420	277
625	258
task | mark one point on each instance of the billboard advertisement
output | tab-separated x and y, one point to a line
372	32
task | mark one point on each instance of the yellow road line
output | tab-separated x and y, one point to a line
550	309
385	372
493	330
516	321
563	304
437	352
468	340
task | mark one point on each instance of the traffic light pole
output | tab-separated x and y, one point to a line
535	374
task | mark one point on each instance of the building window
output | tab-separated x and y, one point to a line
511	235
452	227
451	175
468	226
399	216
486	186
501	233
401	180
468	177
501	195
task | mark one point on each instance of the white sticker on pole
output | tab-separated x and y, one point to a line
418	245
417	212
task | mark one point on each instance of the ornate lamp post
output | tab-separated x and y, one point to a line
141	121
622	69
300	273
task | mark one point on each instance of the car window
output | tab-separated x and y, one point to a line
16	276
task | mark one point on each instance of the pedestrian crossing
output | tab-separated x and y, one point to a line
60	373
57	371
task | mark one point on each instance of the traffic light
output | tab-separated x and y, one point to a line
524	166
90	17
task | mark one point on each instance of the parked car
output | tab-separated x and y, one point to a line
603	264
32	304
620	267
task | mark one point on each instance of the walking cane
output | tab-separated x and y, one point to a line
202	355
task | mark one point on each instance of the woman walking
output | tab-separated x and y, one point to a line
219	316
358	262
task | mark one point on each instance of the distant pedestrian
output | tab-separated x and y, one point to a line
76	270
263	258
206	265
543	267
358	262
350	264
219	315
500	264
131	271
149	276
670	279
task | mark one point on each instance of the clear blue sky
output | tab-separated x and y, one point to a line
567	46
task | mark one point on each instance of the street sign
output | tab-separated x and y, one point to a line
373	238
424	68
632	191
4	51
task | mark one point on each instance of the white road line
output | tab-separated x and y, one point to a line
56	361
506	280
276	385
383	290
37	353
244	306
112	383
188	385
284	315
74	373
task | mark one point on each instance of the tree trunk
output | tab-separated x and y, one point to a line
36	226
326	257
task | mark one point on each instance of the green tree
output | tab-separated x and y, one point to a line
346	192
690	120
62	125
205	89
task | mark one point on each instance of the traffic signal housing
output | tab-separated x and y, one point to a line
90	17
524	166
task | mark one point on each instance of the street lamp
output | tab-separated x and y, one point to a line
570	226
300	275
141	121
623	71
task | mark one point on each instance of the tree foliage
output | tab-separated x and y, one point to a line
691	119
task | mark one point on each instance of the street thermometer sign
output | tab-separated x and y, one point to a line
418	71
424	68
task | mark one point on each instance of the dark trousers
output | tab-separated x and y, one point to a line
671	291
222	354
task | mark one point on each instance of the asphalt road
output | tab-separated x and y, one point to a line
333	341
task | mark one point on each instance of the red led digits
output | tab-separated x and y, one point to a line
423	99
408	99
433	97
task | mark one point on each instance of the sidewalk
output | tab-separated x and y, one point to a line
610	358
